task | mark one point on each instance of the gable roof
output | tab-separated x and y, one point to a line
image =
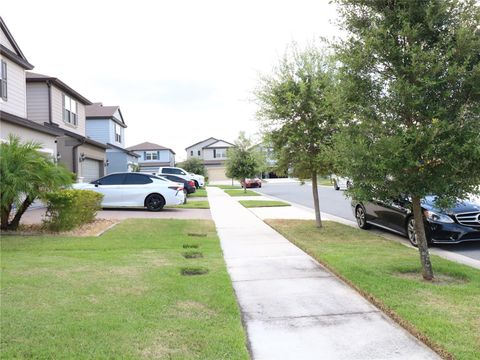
211	138
32	77
98	111
217	144
148	146
17	55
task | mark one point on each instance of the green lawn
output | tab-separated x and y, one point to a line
120	296
226	187
193	204
446	311
198	193
241	193
262	203
324	181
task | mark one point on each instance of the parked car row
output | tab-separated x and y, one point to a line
251	183
136	190
199	180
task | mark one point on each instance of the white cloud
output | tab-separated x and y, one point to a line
181	71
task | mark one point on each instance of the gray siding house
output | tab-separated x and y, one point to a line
153	156
213	153
13	98
105	124
54	104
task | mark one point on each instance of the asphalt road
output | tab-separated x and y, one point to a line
335	203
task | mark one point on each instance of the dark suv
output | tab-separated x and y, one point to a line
455	225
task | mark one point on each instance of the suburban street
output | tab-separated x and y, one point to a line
335	203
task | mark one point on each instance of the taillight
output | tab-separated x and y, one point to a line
191	183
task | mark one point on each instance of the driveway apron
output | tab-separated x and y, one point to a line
292	307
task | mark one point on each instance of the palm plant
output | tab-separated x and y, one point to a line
25	175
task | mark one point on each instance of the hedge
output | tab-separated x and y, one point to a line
69	208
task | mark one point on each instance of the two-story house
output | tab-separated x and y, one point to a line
54	104
153	156
213	153
13	97
107	125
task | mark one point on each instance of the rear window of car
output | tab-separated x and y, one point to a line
137	179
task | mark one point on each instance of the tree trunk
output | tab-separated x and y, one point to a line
244	186
21	210
5	215
316	202
427	271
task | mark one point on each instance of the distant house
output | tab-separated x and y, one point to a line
213	153
105	124
56	105
153	156
13	97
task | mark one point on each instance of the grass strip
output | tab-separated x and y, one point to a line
226	187
198	193
242	193
445	313
262	203
123	295
202	204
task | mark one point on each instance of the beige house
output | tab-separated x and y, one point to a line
13	97
213	153
55	105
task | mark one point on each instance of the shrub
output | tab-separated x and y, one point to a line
69	208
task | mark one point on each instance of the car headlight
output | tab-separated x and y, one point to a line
434	216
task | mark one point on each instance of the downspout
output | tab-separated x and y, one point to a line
49	85
75	156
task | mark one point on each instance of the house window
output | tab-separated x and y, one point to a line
151	155
118	133
219	153
70	111
3	80
191	152
199	152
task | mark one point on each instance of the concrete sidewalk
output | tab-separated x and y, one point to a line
292	307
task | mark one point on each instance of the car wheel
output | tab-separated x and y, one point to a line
196	184
154	202
361	217
412	237
349	184
335	185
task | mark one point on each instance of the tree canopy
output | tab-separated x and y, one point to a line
296	109
410	79
194	165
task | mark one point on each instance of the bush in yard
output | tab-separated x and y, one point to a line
26	175
69	208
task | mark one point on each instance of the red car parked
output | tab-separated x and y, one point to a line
251	183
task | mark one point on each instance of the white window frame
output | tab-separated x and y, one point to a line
118	133
151	155
220	153
70	110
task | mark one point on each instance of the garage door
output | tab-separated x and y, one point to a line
216	174
90	170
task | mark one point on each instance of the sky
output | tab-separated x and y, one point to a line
181	71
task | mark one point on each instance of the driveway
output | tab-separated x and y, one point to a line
35	216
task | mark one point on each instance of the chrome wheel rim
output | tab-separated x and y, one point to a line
360	215
411	232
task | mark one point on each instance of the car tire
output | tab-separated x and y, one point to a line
361	217
154	202
335	185
410	229
197	185
349	184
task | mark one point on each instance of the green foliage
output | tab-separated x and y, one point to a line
69	208
194	165
244	161
410	80
296	108
26	174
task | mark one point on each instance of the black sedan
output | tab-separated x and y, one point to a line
458	224
189	185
